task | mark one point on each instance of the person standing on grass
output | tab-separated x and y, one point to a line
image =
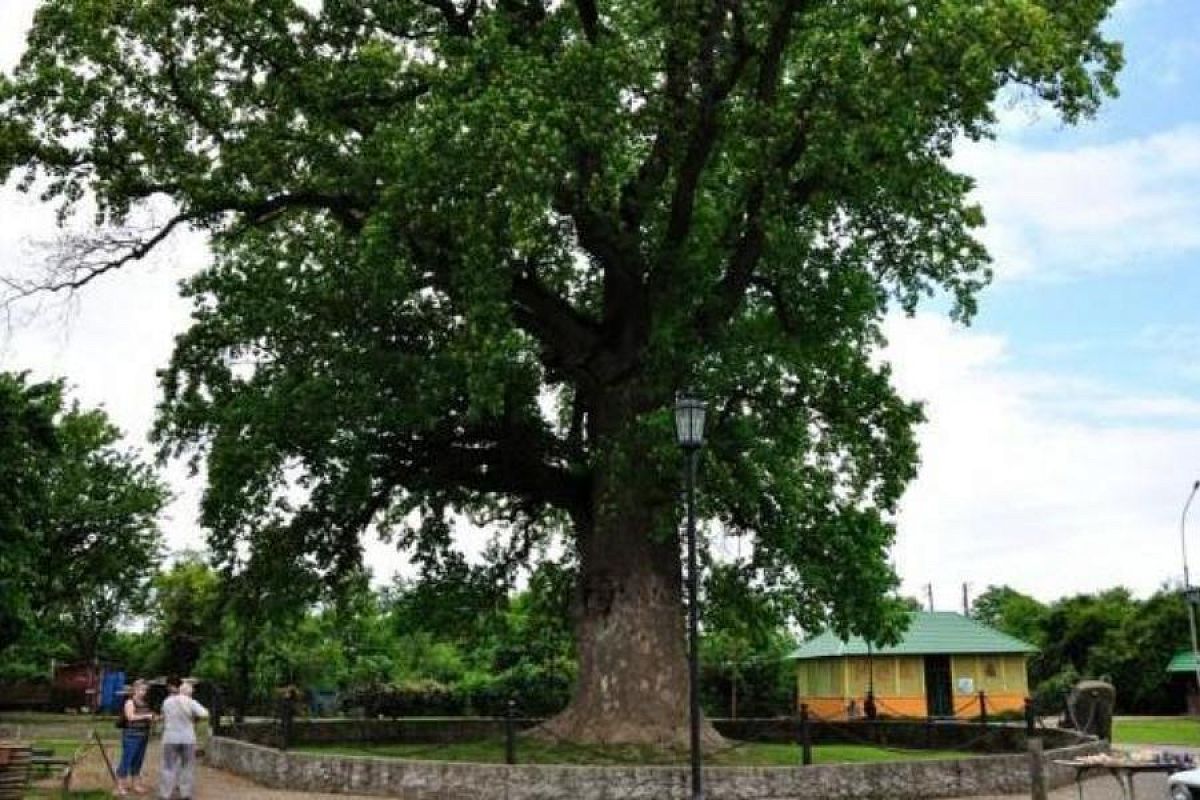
136	719
179	713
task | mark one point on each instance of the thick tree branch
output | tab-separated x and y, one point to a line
714	89
459	22
748	250
569	339
506	456
341	207
783	313
625	317
589	18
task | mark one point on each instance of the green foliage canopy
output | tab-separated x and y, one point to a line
1012	612
80	528
432	219
27	441
1109	635
186	612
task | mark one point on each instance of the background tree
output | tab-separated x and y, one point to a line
186	612
745	645
1108	635
432	219
1136	657
85	537
1076	626
99	538
1011	612
27	441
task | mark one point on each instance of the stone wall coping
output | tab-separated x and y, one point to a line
953	777
1062	753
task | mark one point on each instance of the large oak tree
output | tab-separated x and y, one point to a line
467	251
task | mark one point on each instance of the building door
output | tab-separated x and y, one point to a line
939	696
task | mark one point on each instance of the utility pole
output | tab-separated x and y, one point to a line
929	594
1190	596
966	600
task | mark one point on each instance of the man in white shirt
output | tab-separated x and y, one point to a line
179	714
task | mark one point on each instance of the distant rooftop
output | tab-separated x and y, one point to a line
1183	661
929	633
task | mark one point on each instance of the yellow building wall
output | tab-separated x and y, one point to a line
827	685
1003	677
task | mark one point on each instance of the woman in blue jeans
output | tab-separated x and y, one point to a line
138	717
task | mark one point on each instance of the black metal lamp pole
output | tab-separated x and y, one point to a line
1191	596
689	429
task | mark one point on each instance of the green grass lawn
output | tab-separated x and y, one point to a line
534	752
1156	730
63	748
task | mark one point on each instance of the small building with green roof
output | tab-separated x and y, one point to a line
1182	670
937	669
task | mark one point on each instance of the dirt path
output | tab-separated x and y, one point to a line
211	784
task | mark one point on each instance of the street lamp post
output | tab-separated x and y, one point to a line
1190	595
689	432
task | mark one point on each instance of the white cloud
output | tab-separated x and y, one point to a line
1066	213
18	17
108	341
1039	481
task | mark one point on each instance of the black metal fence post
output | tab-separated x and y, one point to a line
805	736
216	711
983	717
286	714
510	733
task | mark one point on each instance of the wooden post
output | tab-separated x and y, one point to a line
510	733
983	718
104	754
805	736
1037	769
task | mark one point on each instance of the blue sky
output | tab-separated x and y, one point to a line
1133	321
1064	424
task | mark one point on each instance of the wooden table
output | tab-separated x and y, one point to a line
1123	772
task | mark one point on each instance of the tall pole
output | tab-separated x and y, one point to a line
1187	593
693	628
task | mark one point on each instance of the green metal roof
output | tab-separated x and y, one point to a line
929	633
1183	661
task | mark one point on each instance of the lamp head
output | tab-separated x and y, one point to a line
689	420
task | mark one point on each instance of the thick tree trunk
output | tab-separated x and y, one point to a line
632	685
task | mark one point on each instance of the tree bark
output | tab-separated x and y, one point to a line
632	683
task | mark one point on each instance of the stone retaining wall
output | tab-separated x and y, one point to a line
434	780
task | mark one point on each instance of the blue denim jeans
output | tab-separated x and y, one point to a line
133	752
